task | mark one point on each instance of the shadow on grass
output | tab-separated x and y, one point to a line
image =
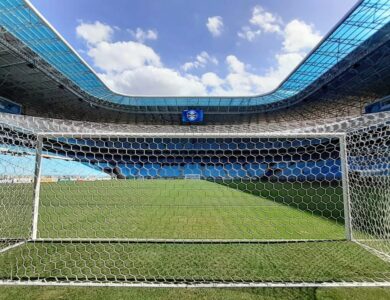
324	199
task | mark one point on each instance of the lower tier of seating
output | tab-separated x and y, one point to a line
24	166
305	170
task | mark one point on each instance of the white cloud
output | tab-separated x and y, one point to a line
234	65
299	36
249	34
211	79
261	21
142	35
133	68
151	80
94	33
240	81
215	25
201	60
130	67
120	56
265	20
298	39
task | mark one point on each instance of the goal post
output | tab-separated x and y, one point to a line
132	209
345	185
37	186
18	152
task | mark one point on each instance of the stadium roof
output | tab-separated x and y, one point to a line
368	17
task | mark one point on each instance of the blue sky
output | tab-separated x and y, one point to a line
202	47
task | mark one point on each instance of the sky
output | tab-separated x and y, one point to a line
193	47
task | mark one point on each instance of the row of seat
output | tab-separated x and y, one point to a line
193	144
312	170
24	165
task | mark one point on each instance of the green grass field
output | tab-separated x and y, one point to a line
184	209
89	293
173	209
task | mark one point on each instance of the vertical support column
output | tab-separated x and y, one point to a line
345	183
37	186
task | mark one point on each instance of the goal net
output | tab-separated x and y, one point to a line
98	207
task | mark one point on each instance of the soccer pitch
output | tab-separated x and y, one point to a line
172	209
95	226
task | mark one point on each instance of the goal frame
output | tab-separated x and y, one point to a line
290	135
37	180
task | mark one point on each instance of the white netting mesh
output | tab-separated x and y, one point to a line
369	186
108	206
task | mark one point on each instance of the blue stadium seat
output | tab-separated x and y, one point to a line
214	171
192	169
24	165
255	170
170	171
236	170
130	170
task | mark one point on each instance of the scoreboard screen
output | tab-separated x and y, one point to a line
192	116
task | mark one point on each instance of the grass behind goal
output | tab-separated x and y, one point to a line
174	209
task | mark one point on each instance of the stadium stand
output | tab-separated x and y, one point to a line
378	106
8	106
346	71
55	167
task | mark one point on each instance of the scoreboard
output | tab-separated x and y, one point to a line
192	116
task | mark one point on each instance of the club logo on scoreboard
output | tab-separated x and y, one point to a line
192	116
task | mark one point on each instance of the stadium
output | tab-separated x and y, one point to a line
286	189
